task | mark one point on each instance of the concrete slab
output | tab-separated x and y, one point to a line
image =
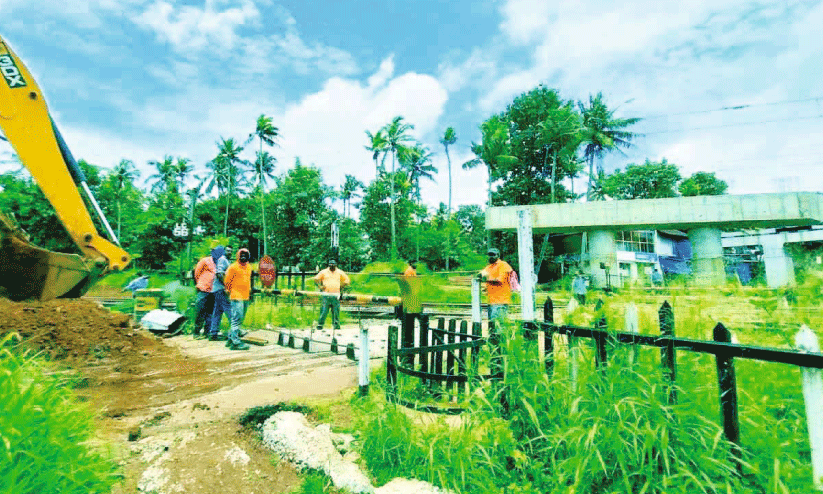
733	211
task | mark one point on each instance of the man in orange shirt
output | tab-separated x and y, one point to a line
204	274
238	286
330	281
496	276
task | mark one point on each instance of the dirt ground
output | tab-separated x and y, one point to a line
170	406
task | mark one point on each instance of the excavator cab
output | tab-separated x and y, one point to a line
27	271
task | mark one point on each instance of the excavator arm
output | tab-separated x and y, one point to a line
27	271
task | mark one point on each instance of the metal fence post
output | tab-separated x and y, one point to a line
548	337
728	393
668	357
391	369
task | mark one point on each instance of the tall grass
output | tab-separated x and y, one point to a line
46	435
612	430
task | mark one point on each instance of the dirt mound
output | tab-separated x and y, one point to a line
74	330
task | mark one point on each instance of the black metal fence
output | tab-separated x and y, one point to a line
724	351
444	358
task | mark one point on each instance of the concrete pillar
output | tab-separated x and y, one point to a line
602	250
707	256
779	265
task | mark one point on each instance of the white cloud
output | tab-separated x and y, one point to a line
328	127
191	28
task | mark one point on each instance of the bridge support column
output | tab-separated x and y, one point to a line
707	256
602	251
779	265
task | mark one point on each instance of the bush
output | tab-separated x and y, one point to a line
46	434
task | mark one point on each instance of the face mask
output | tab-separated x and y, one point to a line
244	258
492	259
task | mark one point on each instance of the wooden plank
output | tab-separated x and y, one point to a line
251	340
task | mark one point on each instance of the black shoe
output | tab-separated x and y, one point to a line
217	337
241	346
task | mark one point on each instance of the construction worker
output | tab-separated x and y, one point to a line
496	275
222	305
331	281
411	269
580	287
204	275
238	286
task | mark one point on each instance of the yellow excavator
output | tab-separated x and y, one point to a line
27	271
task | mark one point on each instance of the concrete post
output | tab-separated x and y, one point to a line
779	265
602	250
707	256
525	250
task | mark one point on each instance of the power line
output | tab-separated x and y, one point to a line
742	124
733	108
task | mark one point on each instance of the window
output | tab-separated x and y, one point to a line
636	241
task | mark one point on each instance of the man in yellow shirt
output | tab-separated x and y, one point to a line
496	275
330	281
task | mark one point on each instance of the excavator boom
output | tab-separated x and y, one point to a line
27	271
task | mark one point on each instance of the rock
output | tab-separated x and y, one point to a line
289	435
153	480
406	486
236	455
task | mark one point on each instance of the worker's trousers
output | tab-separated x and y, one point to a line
330	300
238	313
221	305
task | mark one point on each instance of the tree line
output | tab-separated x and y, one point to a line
532	152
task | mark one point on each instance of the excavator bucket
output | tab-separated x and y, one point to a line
29	272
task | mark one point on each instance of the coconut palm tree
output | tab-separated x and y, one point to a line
166	174
449	138
266	133
181	168
417	160
226	166
377	146
493	149
349	191
604	133
124	173
397	138
263	169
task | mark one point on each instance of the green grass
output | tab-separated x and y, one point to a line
46	435
613	431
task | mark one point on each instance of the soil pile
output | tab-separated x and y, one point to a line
75	330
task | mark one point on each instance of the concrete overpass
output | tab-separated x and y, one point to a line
779	266
702	217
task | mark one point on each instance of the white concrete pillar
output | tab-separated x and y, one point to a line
707	256
602	250
525	249
779	265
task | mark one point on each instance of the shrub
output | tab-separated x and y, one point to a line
46	434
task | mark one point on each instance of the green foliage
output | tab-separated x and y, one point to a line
604	132
703	184
612	430
545	132
375	209
652	180
298	204
23	201
46	434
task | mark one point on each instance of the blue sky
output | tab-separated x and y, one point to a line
142	79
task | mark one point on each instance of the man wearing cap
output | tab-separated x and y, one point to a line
331	281
496	276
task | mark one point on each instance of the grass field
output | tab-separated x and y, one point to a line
615	432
